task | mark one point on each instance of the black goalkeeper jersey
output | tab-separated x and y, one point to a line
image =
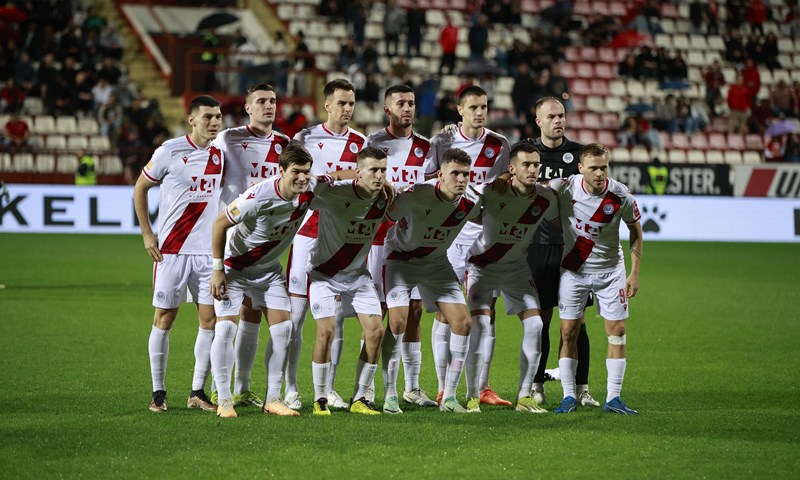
559	162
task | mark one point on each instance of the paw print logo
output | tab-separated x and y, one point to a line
652	219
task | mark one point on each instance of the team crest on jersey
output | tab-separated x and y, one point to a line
460	214
568	157
244	145
608	209
561	306
381	204
354	148
303	205
161	296
418	152
489	152
393	296
536	211
215	158
320	145
278	148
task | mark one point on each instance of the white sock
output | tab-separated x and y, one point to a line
158	348
202	358
390	352
361	349
440	342
475	355
275	358
567	368
319	375
336	346
488	341
244	354
299	311
222	357
458	350
412	364
365	373
529	353
616	373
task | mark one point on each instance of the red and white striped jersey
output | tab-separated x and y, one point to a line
490	158
406	156
509	221
266	223
249	158
591	224
427	224
190	180
330	151
347	225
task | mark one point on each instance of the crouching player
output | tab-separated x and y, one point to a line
592	206
266	217
497	261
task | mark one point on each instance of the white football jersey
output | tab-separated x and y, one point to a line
190	180
265	224
427	224
331	152
249	158
347	225
591	224
509	221
490	158
406	156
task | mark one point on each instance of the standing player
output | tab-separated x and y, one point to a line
266	216
333	146
189	172
350	213
489	154
251	155
496	261
559	157
406	152
429	217
592	206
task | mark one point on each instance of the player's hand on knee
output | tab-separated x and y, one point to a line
219	284
151	247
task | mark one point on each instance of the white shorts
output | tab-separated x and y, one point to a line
265	288
457	255
515	282
608	288
376	262
358	295
176	274
297	268
436	282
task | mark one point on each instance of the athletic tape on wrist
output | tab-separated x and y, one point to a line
217	264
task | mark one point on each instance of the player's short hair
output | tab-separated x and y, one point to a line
370	152
261	87
337	84
455	155
294	153
202	101
526	146
544	100
471	90
399	88
593	150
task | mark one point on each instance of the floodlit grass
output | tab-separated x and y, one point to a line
713	359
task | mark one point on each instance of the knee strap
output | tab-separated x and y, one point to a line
617	339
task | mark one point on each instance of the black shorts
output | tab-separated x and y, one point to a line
545	264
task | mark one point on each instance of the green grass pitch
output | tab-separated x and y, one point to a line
713	369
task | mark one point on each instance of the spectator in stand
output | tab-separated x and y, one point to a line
756	16
697	15
94	21
295	122
12	96
791	22
684	122
446	111
558	42
448	41
600	29
628	134
69	71
101	92
357	15
478	38
394	23
739	102
109	71
369	56
48	76
754	48
646	64
664	62
734	48
735	14
714	80
678	69
770	51
132	152
82	98
110	116
559	86
774	148
348	54
627	66
17	135
666	113
25	74
783	99
517	54
415	18
791	152
111	42
761	117
752	79
70	44
699	114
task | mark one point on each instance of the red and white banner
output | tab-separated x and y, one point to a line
781	181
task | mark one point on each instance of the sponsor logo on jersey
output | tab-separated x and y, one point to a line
568	157
385	150
489	152
278	148
244	145
320	145
185	159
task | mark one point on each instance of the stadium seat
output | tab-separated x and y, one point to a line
617	88
33	106
591	120
604	71
736	141
607	55
55	142
45	163
77	142
109	165
751	158
586	136
716	43
607	138
503	102
588	54
99	143
575	121
717	141
66	164
43	124
22	163
714	156
581	87
754	142
640	154
615	104
595	104
88	126
620	155
676	156
5	162
698	141
680	140
733	157
599	87
609	121
696	156
698	42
